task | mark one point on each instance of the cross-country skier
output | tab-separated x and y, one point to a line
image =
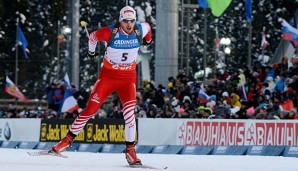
118	74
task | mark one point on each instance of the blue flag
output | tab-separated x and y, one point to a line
248	9
22	39
203	3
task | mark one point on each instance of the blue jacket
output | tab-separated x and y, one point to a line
280	86
269	74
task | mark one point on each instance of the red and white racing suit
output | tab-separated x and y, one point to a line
118	74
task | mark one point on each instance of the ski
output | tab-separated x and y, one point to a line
146	167
46	153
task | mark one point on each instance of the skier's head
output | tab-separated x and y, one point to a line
127	13
127	19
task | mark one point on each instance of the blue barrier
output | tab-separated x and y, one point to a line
274	150
291	151
255	150
287	151
41	145
118	148
197	150
95	148
83	147
27	145
73	147
188	150
10	144
144	148
230	150
174	149
45	145
160	149
266	150
107	148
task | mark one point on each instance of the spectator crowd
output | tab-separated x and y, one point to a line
243	93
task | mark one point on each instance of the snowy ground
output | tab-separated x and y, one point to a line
19	160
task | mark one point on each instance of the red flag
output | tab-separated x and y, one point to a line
288	105
13	90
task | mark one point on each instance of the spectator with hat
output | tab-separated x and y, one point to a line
58	95
201	111
260	112
49	94
207	113
270	73
271	83
242	78
235	100
221	111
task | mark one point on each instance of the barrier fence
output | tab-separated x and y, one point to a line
159	136
31	105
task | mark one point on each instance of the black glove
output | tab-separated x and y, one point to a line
92	55
145	43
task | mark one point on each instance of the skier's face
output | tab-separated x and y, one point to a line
128	25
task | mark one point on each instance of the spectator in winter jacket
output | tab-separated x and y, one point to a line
49	93
58	95
225	98
235	100
221	111
270	73
260	112
271	84
280	85
262	74
242	79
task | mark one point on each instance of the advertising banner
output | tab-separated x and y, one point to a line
18	129
218	132
95	131
244	132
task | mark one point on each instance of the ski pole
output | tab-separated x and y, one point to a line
84	24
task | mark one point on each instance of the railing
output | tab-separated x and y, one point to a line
32	104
